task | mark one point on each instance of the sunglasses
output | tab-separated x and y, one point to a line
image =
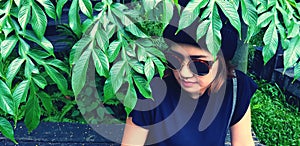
197	66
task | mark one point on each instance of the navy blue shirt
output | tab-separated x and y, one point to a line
174	118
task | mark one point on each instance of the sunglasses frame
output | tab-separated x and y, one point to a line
193	59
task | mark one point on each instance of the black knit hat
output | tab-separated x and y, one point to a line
188	35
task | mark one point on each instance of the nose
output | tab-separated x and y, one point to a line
185	71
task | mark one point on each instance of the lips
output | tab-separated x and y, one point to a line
187	83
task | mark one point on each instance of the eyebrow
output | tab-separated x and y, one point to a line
197	56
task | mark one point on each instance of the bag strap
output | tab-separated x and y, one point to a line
234	88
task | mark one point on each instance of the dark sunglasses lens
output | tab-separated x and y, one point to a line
199	68
173	62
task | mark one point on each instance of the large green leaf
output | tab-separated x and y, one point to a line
59	64
148	5
113	50
58	78
32	112
159	65
117	73
102	39
291	54
46	101
130	97
202	28
156	52
264	19
213	37
149	69
78	48
231	13
20	94
38	21
18	3
108	91
7	130
191	12
13	68
59	7
40	81
30	68
6	101
143	86
101	62
271	43
49	8
137	66
293	29
249	15
74	18
126	21
23	47
43	42
86	7
80	71
24	15
8	45
168	11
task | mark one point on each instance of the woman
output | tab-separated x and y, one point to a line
200	99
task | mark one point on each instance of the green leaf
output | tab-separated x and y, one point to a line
18	3
58	78
6	101
59	64
86	7
190	13
32	112
141	51
160	66
167	12
38	55
117	73
127	22
113	50
143	86
137	66
293	30
24	15
101	62
148	5
231	13
249	15
46	101
130	97
74	18
213	37
108	91
43	42
156	52
80	72
8	45
102	39
23	47
264	19
59	7
7	130
40	81
78	48
30	68
20	94
13	68
271	43
202	28
49	8
38	21
291	54
149	69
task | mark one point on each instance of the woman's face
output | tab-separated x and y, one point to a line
192	83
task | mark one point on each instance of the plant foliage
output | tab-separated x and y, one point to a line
114	38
